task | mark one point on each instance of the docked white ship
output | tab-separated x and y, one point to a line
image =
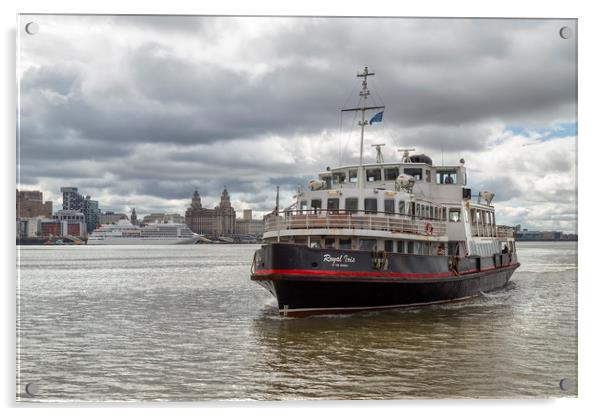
125	233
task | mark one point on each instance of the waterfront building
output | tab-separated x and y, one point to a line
247	214
72	223
50	227
225	216
29	227
31	204
134	217
247	225
220	221
111	217
162	218
74	201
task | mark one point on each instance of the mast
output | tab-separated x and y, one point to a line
364	93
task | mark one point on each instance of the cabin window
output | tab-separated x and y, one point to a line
373	175
431	212
428	175
370	205
400	246
316	205
332	204
353	176
345	244
410	247
402	207
351	205
391	174
444	215
390	206
329	243
367	244
389	245
447	177
454	214
338	178
414	172
303	205
436	213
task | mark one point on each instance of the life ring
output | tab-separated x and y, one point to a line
428	228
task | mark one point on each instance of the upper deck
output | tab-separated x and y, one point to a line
443	184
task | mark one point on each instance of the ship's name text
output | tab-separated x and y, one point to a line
341	261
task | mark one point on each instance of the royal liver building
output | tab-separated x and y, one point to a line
219	221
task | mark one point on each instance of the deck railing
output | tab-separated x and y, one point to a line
359	220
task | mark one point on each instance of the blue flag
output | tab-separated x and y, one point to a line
378	117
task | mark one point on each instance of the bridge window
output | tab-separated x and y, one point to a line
370	205
402	207
390	206
338	178
391	174
332	204
353	176
351	204
373	175
303	205
316	204
428	175
415	172
447	177
454	214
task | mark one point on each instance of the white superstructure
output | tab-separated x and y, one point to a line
123	232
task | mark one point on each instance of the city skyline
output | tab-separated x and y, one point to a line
155	116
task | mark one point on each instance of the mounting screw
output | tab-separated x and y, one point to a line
566	32
565	384
32	28
31	389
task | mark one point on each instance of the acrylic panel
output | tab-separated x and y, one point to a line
404	188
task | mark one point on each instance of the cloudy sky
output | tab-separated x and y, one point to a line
138	111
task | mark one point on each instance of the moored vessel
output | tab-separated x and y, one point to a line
383	235
124	232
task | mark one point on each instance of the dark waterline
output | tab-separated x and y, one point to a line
185	323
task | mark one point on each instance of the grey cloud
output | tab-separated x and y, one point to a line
137	122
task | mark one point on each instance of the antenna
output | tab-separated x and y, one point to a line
379	153
364	93
406	155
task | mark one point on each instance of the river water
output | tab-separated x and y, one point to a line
185	323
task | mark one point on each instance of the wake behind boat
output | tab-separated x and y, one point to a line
124	232
383	235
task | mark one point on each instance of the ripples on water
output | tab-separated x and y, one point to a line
185	323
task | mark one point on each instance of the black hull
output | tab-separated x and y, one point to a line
405	280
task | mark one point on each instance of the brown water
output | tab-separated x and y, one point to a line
185	323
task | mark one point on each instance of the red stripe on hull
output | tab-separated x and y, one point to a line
307	272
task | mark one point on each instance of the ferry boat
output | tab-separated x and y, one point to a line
124	232
383	235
